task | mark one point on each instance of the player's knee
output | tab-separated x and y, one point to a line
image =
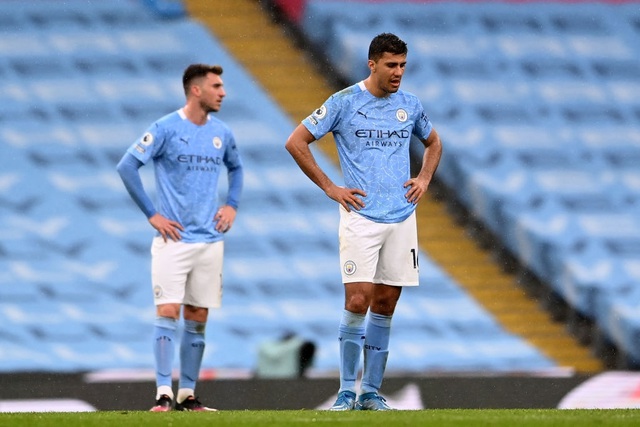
171	311
357	304
384	305
385	309
385	299
197	314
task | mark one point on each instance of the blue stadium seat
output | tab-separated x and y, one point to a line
599	269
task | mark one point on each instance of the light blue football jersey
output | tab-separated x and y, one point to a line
373	136
188	160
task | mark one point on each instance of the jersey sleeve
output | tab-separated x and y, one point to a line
128	170
233	162
423	125
324	119
148	145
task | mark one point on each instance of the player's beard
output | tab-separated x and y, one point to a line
208	108
389	90
394	88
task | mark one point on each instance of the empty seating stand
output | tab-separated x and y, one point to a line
80	82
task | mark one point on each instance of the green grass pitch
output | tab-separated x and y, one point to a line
436	417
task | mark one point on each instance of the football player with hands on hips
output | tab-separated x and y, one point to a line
189	149
372	122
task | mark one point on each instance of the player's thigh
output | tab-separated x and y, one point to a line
360	242
170	265
204	285
398	262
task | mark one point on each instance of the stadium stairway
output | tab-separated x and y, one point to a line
270	53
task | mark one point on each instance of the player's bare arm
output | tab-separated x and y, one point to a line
166	227
298	146
225	217
418	186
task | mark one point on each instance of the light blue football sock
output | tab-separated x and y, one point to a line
191	351
351	337
376	352
164	334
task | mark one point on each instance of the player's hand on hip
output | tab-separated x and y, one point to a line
166	227
224	218
347	197
417	188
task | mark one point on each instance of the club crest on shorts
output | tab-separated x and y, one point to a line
157	291
349	268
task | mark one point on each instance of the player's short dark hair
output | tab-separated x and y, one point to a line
386	42
195	71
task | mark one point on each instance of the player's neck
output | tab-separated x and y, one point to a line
374	89
195	115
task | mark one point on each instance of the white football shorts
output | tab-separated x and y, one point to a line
187	273
376	252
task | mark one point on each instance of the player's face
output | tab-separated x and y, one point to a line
388	71
211	93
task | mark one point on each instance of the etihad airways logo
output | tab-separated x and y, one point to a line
196	158
382	134
383	137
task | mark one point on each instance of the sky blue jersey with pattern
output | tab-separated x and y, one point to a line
188	160
373	136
